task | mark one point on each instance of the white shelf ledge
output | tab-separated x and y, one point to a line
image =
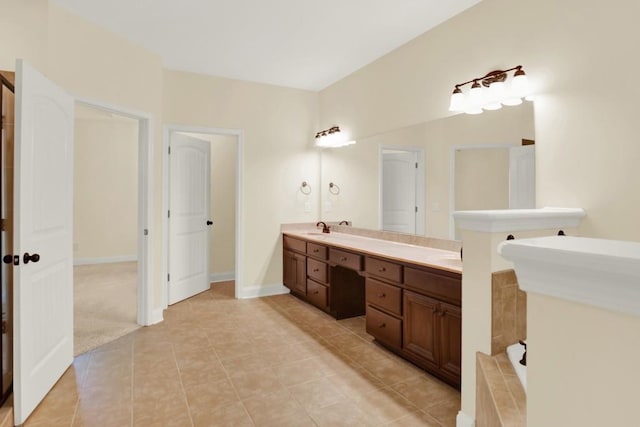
492	221
598	272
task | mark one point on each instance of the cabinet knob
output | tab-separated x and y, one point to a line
315	270
344	258
382	295
315	251
382	269
382	325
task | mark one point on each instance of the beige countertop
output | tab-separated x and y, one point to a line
403	252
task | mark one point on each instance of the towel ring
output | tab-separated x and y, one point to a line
334	189
305	188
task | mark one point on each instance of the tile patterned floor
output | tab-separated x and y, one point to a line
217	361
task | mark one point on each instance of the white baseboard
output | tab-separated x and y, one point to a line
222	277
156	316
262	291
464	420
104	260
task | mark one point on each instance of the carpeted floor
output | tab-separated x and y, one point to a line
104	303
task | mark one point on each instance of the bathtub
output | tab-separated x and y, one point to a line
515	353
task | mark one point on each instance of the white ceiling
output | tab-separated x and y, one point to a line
295	43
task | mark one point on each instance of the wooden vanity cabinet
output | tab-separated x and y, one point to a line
294	265
383	297
432	323
318	275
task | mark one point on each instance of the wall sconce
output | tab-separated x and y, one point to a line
332	138
491	92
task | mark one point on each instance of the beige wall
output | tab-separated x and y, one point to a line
105	210
356	168
278	125
585	131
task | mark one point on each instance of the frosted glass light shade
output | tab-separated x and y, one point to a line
476	96
520	85
492	106
457	101
496	92
473	110
512	101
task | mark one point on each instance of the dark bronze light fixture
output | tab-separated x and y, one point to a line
332	138
491	92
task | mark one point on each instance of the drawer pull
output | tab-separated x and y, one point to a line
382	269
315	251
344	258
382	325
316	292
315	270
382	295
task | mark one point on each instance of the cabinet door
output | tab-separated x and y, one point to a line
450	339
420	326
294	272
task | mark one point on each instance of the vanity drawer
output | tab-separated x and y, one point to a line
384	269
317	294
317	270
346	259
316	251
294	244
386	297
440	286
386	329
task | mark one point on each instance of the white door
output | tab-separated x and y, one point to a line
522	177
43	289
189	183
399	191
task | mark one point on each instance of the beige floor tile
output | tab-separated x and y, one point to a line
425	392
233	415
273	361
316	394
273	408
342	414
249	383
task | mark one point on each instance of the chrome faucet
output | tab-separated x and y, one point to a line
325	228
343	222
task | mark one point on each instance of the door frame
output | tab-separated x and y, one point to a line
421	216
166	139
452	176
146	315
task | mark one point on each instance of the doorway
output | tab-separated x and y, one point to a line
104	226
206	201
402	191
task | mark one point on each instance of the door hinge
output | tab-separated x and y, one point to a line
168	214
145	232
168	277
169	150
416	165
416	209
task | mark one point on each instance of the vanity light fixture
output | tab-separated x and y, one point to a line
332	138
491	92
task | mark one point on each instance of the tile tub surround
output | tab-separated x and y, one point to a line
508	311
272	361
402	252
500	398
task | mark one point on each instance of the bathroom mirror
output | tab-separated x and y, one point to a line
462	146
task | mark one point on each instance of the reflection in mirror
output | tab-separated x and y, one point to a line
358	168
402	190
492	177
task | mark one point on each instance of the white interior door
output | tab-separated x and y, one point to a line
189	195
43	289
399	191
522	177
